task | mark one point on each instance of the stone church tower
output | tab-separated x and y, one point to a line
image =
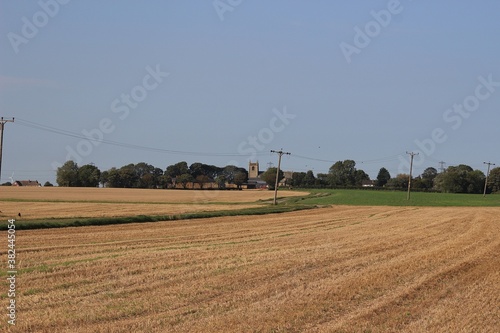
253	169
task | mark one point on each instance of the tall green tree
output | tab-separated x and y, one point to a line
270	177
344	173
460	179
383	177
309	179
89	175
211	171
298	179
428	177
322	179
494	180
144	175
359	177
399	182
158	178
67	175
113	178
104	178
128	176
230	171
177	169
240	178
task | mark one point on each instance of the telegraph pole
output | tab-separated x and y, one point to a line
411	169
2	126
487	174
280	153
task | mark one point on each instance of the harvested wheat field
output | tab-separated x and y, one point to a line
339	269
40	210
136	195
66	202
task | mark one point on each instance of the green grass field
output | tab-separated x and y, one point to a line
397	198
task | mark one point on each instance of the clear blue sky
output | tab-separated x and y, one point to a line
368	96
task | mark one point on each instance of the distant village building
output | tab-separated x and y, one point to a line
368	183
255	180
32	183
287	178
254	173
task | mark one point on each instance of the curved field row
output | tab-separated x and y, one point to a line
340	269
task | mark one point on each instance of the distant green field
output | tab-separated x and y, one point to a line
398	198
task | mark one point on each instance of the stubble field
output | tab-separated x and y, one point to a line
336	269
46	202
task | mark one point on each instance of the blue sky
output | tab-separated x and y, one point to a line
220	82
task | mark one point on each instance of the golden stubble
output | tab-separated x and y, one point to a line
58	202
339	269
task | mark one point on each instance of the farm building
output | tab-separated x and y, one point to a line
368	183
32	183
287	178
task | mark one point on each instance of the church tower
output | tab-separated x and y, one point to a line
253	169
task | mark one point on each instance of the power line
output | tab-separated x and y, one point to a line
124	145
378	160
313	159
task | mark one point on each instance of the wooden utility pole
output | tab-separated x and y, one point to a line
2	126
487	175
411	169
280	153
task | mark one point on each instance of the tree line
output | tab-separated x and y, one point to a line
143	175
454	179
342	174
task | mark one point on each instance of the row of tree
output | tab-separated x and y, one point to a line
143	175
342	174
455	179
